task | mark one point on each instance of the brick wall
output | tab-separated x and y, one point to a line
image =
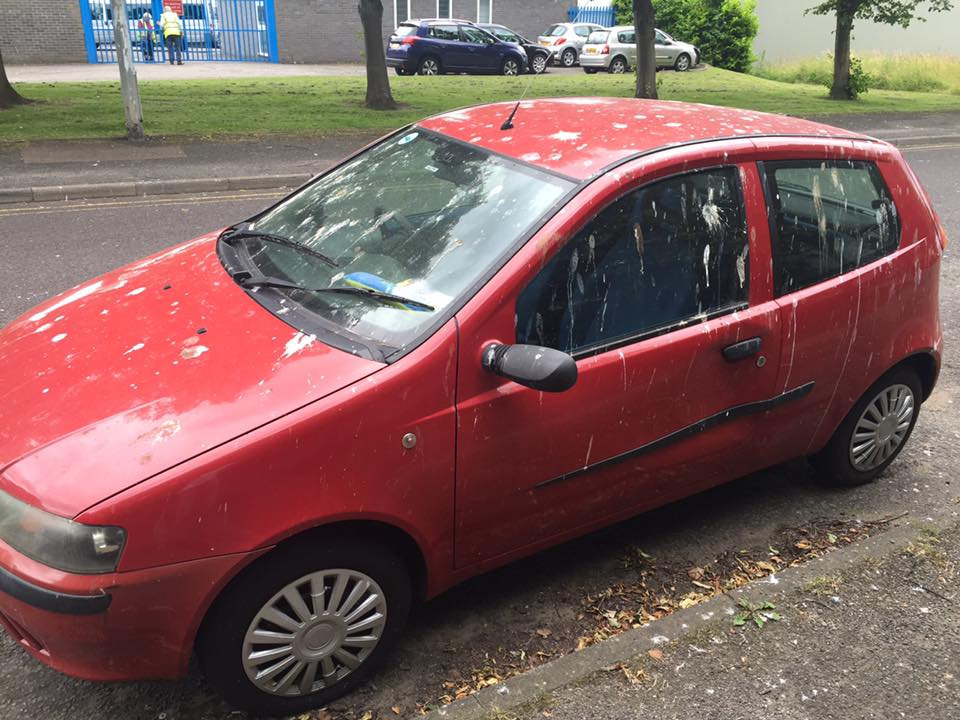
41	31
323	31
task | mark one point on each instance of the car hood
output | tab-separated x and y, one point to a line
143	368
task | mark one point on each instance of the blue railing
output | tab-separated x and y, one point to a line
213	30
599	15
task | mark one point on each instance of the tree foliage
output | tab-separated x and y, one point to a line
723	30
887	12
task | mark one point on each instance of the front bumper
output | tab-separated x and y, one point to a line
122	626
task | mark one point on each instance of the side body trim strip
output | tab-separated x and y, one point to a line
734	413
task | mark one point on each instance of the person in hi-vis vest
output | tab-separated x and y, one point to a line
172	34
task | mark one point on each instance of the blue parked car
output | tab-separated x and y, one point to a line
431	47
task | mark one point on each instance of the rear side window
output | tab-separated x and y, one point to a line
444	32
404	30
671	252
827	218
628	37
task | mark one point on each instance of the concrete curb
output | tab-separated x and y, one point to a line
145	188
628	646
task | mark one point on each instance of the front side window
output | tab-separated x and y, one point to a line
667	253
827	218
421	217
485	11
444	9
662	38
475	35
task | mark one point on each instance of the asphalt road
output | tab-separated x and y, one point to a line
50	248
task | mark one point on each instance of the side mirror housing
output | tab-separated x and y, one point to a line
536	367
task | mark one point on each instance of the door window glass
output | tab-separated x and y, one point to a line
661	38
475	35
628	38
670	252
444	32
827	219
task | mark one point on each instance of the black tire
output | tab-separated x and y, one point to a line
618	66
589	71
220	645
510	66
429	65
538	63
834	463
401	71
682	63
568	58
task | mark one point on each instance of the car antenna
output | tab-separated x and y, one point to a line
508	123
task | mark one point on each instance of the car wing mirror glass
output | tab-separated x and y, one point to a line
533	366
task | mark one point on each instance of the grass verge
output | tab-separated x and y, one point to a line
915	72
334	105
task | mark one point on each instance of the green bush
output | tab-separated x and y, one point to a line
723	30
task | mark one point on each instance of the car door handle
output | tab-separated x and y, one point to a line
742	349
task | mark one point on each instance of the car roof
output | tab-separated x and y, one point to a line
580	136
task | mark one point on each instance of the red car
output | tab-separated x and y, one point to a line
488	333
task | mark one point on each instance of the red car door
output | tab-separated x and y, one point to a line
661	293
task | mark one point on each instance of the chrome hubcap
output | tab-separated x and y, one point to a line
314	632
882	427
618	68
510	68
683	63
429	67
568	58
539	64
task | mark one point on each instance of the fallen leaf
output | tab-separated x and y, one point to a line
802	545
655	654
367	716
695	573
544	632
396	710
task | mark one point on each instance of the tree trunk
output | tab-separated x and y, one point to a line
644	21
840	89
8	96
378	85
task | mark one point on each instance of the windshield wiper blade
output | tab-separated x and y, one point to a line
278	240
416	305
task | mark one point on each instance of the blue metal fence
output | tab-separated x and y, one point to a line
599	15
213	30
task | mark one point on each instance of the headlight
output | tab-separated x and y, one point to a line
57	541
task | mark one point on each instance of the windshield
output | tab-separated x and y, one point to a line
556	30
597	37
419	216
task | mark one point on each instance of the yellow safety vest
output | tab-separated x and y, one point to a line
170	22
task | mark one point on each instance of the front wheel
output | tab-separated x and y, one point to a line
510	66
568	57
538	64
874	432
305	625
683	63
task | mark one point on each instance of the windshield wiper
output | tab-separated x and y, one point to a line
249	282
231	235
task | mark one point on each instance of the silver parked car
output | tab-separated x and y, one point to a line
564	40
615	50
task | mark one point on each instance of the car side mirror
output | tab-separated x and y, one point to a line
536	367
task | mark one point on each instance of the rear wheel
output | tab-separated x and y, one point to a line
429	65
538	64
874	432
305	625
568	57
510	66
682	63
618	66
